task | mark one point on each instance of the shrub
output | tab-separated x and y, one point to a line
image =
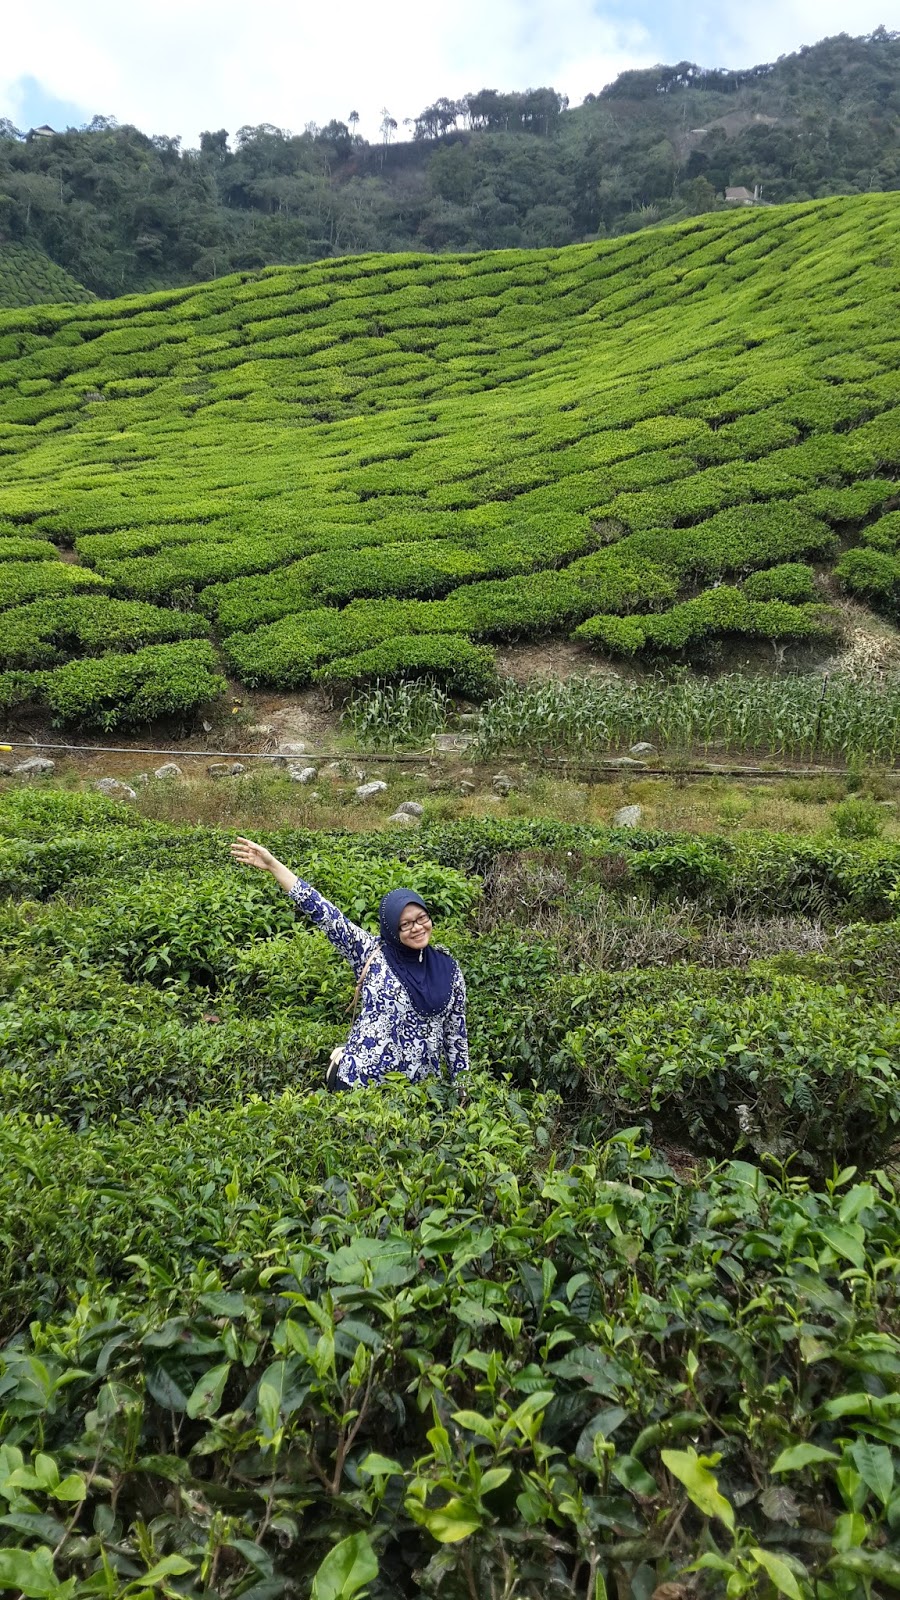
858	818
115	690
873	574
462	667
792	582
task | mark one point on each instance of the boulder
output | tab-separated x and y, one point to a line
169	769
225	769
368	791
410	808
628	816
624	761
35	767
298	774
502	783
114	789
291	747
336	770
404	819
453	741
467	786
642	749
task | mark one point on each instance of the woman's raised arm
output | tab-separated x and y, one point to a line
352	942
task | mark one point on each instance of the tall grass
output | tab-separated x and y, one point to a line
800	717
389	716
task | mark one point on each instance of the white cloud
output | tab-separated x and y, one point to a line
772	28
175	67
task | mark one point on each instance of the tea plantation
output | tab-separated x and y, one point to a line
374	467
28	277
620	1321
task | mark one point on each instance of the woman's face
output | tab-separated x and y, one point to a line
414	927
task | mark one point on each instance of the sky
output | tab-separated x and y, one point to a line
178	67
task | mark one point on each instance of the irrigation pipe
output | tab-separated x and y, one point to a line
610	767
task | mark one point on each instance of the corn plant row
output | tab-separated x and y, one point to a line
800	717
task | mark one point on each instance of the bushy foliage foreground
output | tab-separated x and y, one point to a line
259	1341
367	469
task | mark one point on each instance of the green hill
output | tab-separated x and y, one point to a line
29	278
383	464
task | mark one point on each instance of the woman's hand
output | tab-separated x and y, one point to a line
256	855
253	855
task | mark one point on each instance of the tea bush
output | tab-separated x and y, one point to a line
251	1333
465	1359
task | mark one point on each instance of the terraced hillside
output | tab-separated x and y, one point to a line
28	277
382	464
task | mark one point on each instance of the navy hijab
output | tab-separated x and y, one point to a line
426	975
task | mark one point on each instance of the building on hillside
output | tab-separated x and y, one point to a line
43	132
740	196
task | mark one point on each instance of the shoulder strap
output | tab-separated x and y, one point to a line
362	977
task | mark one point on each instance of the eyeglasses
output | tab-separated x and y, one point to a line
414	927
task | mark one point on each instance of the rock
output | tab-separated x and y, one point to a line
169	769
453	741
5	769
502	783
298	774
367	791
423	775
624	761
642	749
35	767
410	808
291	747
404	819
115	790
628	817
467	786
261	730
225	769
336	770
206	726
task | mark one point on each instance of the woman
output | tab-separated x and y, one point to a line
412	996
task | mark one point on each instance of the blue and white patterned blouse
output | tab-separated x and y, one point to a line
388	1035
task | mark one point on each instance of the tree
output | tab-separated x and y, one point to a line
388	126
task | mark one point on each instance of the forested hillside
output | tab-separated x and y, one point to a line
122	211
379	466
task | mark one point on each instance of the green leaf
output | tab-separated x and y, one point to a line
845	1241
633	1476
206	1396
29	1572
381	1466
72	1488
346	1569
476	1423
271	1393
691	1470
493	1478
778	1571
453	1522
802	1455
169	1567
870	1564
874	1464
